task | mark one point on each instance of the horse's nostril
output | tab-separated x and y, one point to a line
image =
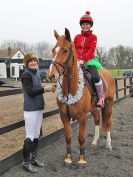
52	77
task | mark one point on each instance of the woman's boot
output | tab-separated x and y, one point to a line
99	89
27	149
34	160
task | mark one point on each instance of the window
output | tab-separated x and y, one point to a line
19	55
21	67
13	70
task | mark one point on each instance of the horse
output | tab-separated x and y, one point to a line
74	98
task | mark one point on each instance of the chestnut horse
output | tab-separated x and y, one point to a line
74	98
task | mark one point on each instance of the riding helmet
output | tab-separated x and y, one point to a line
86	19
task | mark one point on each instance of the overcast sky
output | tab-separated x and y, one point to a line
34	20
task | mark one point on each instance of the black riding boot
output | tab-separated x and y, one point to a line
34	160
27	149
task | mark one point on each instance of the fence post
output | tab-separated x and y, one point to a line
116	86
131	87
131	83
125	88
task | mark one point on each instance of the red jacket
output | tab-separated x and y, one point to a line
85	44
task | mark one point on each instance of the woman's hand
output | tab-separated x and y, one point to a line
49	88
80	62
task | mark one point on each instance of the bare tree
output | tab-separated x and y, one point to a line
121	57
43	48
101	54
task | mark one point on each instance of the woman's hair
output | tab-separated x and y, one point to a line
29	57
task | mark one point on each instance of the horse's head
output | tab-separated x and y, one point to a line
62	54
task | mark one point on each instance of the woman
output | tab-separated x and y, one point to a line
85	44
33	110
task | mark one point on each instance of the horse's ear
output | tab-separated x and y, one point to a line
67	35
56	34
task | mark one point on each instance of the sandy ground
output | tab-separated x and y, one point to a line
100	161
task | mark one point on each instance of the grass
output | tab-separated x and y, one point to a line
119	72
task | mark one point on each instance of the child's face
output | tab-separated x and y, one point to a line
85	26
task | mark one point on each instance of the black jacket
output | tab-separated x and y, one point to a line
32	90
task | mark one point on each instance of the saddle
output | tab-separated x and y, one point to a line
90	81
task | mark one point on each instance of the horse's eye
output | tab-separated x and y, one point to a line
65	51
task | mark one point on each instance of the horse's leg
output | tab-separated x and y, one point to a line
68	136
107	121
96	116
81	138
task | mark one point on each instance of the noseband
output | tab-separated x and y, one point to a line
65	65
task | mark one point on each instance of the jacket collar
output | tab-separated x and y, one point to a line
86	33
32	70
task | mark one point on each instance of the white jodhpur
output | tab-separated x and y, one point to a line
33	123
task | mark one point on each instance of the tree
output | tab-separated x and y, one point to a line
24	47
121	57
101	54
43	49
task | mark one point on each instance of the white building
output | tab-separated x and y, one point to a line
11	63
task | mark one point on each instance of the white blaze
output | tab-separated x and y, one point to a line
56	50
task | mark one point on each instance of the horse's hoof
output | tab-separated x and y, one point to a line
81	165
93	144
109	147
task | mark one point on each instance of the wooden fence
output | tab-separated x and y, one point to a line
127	83
12	160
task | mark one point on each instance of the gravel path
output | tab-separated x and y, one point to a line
100	162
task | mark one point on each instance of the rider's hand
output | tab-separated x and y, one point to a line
80	62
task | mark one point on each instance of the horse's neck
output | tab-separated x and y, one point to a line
70	82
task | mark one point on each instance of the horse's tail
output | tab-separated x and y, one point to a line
106	114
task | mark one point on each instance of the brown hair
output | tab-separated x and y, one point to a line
28	57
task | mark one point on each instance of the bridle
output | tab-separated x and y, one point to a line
67	97
65	65
65	73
